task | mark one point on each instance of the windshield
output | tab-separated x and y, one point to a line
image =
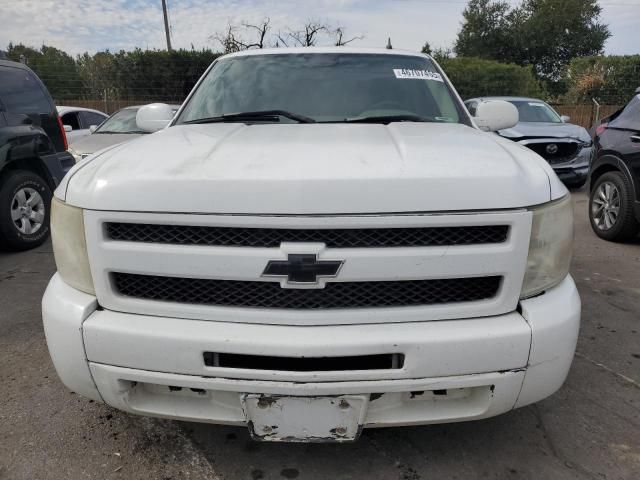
324	88
123	121
535	111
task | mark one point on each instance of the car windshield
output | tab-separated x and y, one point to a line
123	121
323	87
535	111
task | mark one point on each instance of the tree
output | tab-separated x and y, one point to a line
486	31
475	77
611	79
305	37
56	68
340	41
545	34
426	49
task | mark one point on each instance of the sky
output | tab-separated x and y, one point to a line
77	26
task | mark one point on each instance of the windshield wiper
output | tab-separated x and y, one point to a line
266	115
387	119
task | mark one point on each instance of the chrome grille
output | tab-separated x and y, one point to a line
256	294
333	238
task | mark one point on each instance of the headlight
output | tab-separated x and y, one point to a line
550	247
70	246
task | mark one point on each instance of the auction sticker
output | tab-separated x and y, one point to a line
406	73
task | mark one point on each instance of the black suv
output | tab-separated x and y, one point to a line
33	156
614	185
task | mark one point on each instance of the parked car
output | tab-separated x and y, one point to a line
77	121
614	183
119	127
322	240
568	148
33	156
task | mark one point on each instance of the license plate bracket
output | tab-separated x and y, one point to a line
278	418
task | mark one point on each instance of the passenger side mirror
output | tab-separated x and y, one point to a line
154	117
92	128
565	118
494	115
68	128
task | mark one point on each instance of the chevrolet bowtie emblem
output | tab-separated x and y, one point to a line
302	269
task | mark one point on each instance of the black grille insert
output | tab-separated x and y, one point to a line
562	152
232	293
333	238
306	364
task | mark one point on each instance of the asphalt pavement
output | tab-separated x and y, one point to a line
590	429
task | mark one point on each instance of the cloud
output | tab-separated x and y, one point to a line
88	25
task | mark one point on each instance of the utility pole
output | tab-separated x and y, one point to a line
166	24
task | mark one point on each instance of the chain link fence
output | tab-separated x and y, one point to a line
595	86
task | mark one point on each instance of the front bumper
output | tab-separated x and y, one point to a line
58	165
487	366
576	171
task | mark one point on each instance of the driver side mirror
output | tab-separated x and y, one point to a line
565	118
92	128
154	117
494	115
68	128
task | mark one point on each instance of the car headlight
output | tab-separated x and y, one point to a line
70	246
550	247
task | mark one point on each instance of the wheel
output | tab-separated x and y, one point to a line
611	208
25	202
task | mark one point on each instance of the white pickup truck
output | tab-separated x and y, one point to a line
321	240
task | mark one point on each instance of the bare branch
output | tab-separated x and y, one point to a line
281	39
340	41
308	36
261	31
231	41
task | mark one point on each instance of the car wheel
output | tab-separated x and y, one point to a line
611	208
25	202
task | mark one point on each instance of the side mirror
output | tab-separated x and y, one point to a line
92	128
565	118
68	128
493	115
154	117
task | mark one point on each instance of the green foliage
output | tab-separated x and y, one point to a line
545	34
56	66
611	79
476	77
487	31
139	74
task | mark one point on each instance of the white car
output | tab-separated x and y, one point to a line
322	240
78	120
118	128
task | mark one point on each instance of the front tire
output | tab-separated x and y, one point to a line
25	204
611	208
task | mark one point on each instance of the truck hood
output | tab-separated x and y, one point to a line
546	130
312	169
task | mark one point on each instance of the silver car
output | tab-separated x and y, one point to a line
118	128
567	147
77	121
